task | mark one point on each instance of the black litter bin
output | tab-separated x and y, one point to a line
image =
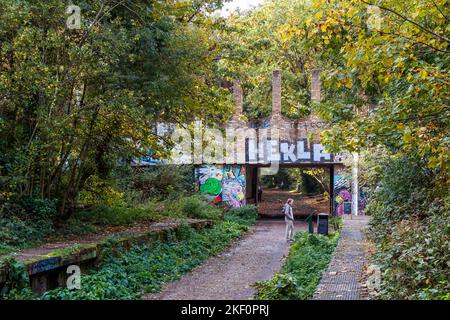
322	223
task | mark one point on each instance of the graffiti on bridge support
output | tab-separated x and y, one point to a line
223	183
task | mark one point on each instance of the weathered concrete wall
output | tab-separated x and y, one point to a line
50	271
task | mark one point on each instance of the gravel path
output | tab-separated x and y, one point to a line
229	276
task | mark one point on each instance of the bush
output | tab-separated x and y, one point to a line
283	286
198	207
308	258
17	282
27	223
38	209
410	229
117	216
195	206
98	191
246	215
17	234
145	268
161	182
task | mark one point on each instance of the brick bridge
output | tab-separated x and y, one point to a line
253	149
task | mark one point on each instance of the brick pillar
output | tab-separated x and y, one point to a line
315	85
276	93
238	99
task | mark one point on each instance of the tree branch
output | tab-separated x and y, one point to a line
409	20
440	11
414	40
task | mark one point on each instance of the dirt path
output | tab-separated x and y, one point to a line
273	200
229	276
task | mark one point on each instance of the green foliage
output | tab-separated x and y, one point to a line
246	215
19	231
253	47
384	85
195	206
37	209
120	215
308	258
282	286
16	286
145	268
336	222
410	227
18	234
75	102
198	207
98	191
282	179
26	223
162	182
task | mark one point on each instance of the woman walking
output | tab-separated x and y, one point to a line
289	219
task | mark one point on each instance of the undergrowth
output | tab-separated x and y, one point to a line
145	268
309	256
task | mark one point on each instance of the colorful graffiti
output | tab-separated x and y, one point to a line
233	186
211	186
223	184
209	179
343	202
343	197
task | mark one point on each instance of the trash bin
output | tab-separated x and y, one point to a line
322	223
309	220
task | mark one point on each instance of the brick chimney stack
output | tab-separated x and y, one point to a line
315	85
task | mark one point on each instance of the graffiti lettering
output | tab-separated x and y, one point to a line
45	265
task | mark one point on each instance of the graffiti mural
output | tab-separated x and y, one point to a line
209	180
223	184
343	197
233	186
